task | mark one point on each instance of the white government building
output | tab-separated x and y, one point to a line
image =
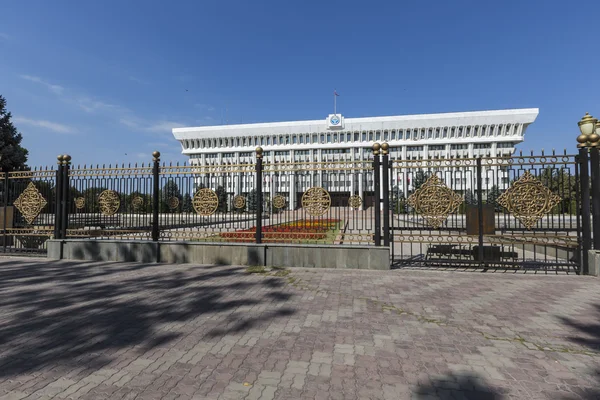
492	133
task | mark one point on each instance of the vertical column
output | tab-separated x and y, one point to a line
376	184
585	209
64	225
259	194
480	211
57	199
385	172
155	193
595	176
4	222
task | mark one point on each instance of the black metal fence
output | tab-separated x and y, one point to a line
520	211
523	211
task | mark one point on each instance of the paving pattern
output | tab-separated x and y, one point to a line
71	330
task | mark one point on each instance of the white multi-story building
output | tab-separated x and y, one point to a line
447	135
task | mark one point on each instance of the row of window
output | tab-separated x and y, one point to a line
366	151
341	137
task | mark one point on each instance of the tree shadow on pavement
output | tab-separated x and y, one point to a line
459	386
586	332
70	314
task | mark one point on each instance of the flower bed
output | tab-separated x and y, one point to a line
300	230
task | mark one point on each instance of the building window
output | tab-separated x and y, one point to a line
329	138
437	147
314	138
295	139
302	139
377	136
364	136
322	138
386	136
348	137
370	136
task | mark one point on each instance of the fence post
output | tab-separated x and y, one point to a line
155	192
480	211
259	194
377	188
4	223
58	199
64	217
585	208
595	177
386	192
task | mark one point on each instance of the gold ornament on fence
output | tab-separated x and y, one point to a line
355	201
434	201
79	203
30	203
528	200
137	203
316	201
173	203
239	201
279	201
205	202
109	202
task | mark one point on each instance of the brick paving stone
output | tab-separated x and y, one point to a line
74	330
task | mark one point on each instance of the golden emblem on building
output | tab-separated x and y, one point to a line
279	201
239	201
205	202
355	201
79	203
434	201
316	201
173	202
30	203
109	202
528	200
137	203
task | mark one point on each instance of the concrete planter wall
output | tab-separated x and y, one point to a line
284	255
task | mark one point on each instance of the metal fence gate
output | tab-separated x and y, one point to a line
519	212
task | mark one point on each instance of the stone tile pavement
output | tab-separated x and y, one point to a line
71	330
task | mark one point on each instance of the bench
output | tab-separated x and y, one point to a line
490	253
101	221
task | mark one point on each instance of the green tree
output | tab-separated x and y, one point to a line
418	179
492	197
13	155
222	197
144	207
187	206
169	190
252	201
91	199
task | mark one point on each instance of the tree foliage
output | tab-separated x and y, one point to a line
14	156
222	197
169	190
187	206
492	197
252	201
419	178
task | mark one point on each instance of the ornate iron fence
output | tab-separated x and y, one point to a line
519	212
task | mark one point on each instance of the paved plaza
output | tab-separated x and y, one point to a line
146	331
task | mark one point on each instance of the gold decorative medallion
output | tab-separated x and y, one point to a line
30	203
79	203
173	202
355	201
205	202
109	202
434	201
239	201
316	201
528	200
279	201
137	202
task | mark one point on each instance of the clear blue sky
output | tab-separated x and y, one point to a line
106	80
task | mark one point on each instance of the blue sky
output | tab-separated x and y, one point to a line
105	81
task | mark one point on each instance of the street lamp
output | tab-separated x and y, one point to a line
590	132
